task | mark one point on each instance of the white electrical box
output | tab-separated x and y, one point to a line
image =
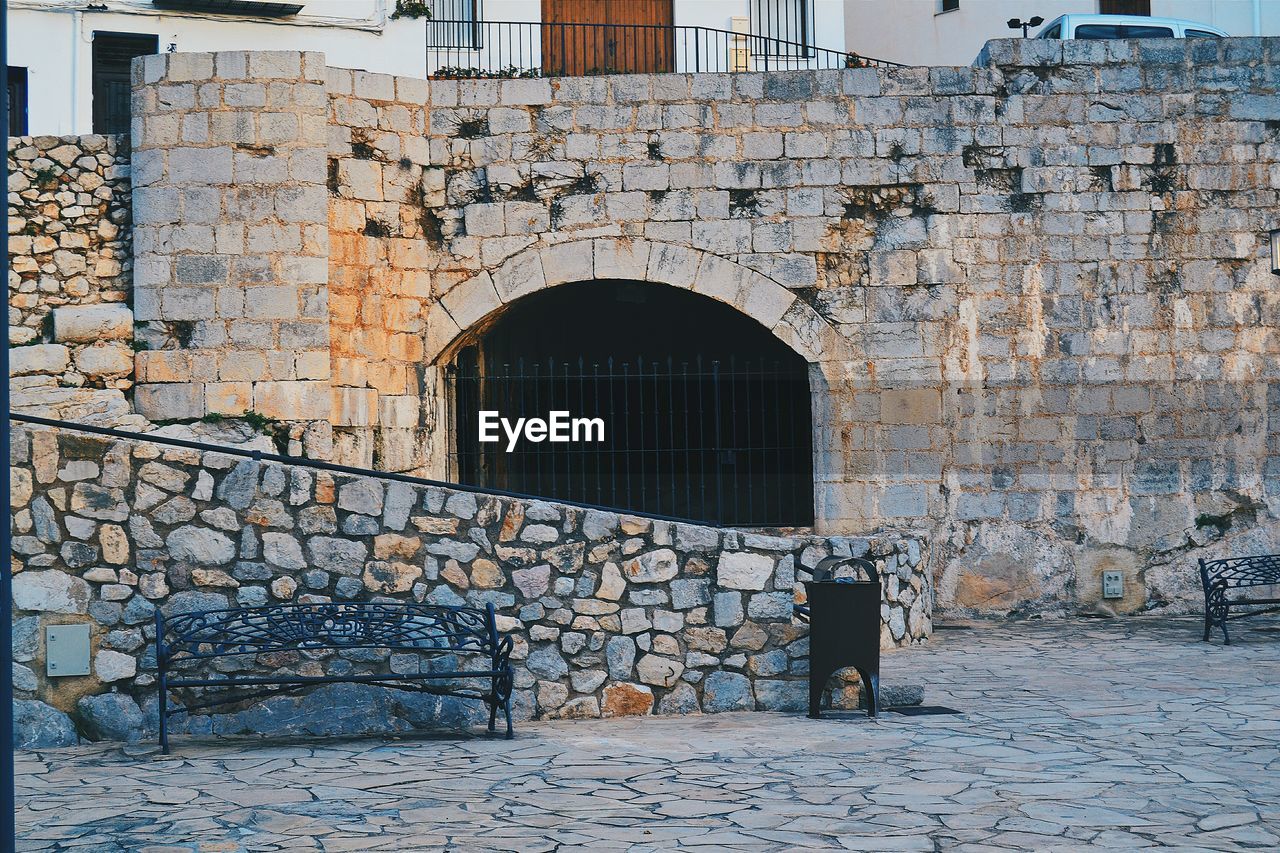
66	650
1113	584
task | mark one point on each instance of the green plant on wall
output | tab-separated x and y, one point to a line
411	9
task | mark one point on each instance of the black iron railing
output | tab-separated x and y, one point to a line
231	450
464	49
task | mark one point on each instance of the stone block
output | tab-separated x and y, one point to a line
727	691
626	700
228	398
169	401
744	570
48	359
91	323
727	609
50	591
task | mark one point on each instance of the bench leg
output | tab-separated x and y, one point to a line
506	707
164	715
493	711
1208	623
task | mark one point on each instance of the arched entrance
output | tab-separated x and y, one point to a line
705	413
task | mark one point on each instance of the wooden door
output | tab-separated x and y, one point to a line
581	37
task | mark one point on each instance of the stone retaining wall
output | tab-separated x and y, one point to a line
1034	294
611	614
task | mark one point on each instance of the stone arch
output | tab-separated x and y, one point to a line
470	305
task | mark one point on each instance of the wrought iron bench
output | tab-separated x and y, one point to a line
188	645
1237	573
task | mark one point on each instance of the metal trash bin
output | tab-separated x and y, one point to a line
844	628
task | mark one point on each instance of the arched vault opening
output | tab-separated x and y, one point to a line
675	403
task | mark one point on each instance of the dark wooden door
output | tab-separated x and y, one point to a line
112	55
1125	7
606	36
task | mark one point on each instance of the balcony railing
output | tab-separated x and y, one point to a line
471	49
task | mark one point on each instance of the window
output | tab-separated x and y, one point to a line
112	55
948	6
1124	7
1117	31
1054	32
16	103
454	23
782	27
1201	34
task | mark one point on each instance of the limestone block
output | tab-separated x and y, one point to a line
90	323
621	259
169	401
200	546
659	671
654	567
51	591
519	276
727	691
293	400
355	407
471	300
51	359
104	359
744	570
228	398
672	264
111	666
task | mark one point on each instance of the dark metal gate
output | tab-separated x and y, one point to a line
727	441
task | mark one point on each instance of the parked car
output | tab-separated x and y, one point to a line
1126	27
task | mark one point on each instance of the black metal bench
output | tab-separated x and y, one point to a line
1219	577
188	646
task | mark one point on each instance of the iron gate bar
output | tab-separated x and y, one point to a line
319	465
754	469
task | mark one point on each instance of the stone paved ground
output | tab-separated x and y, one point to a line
1119	734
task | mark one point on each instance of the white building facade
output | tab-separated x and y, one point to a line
951	32
69	59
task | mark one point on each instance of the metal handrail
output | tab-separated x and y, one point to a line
469	49
343	469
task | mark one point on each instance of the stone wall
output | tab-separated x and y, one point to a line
611	614
1034	292
70	273
230	237
69	232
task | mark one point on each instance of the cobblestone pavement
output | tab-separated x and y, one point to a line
1108	734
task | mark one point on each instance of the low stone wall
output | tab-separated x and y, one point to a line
611	614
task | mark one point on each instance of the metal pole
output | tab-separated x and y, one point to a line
6	575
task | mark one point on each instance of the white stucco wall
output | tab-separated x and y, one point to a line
915	33
53	40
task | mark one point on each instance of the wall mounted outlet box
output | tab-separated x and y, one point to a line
66	650
1113	584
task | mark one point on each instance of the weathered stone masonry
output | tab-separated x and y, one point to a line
70	268
611	614
1032	293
